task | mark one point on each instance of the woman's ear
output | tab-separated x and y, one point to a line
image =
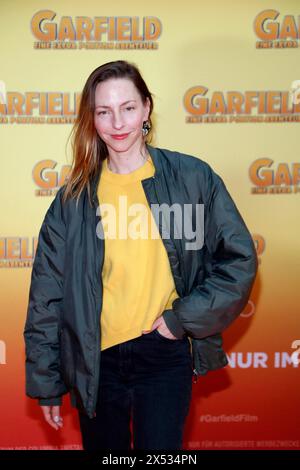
147	106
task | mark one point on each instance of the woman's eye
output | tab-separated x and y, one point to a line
129	108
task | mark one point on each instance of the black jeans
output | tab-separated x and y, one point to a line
148	379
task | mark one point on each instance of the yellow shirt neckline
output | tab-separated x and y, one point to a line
125	178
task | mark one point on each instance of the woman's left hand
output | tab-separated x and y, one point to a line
162	328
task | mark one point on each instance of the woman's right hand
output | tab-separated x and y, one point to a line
52	416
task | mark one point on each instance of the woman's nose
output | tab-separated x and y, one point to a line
117	121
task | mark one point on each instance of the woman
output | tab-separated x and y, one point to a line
124	312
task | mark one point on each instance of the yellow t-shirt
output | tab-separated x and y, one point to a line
137	279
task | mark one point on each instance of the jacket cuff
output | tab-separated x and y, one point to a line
173	323
56	401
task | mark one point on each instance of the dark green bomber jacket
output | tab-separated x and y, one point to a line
62	329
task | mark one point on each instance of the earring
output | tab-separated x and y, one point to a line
146	127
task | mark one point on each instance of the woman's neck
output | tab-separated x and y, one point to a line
126	162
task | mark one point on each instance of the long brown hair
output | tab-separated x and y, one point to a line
88	149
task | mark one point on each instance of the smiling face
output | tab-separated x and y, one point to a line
119	111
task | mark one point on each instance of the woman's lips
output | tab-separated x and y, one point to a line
120	137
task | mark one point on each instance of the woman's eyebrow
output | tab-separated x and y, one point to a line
102	106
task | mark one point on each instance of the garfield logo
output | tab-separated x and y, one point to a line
267	179
205	106
84	32
283	33
17	251
47	178
39	107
